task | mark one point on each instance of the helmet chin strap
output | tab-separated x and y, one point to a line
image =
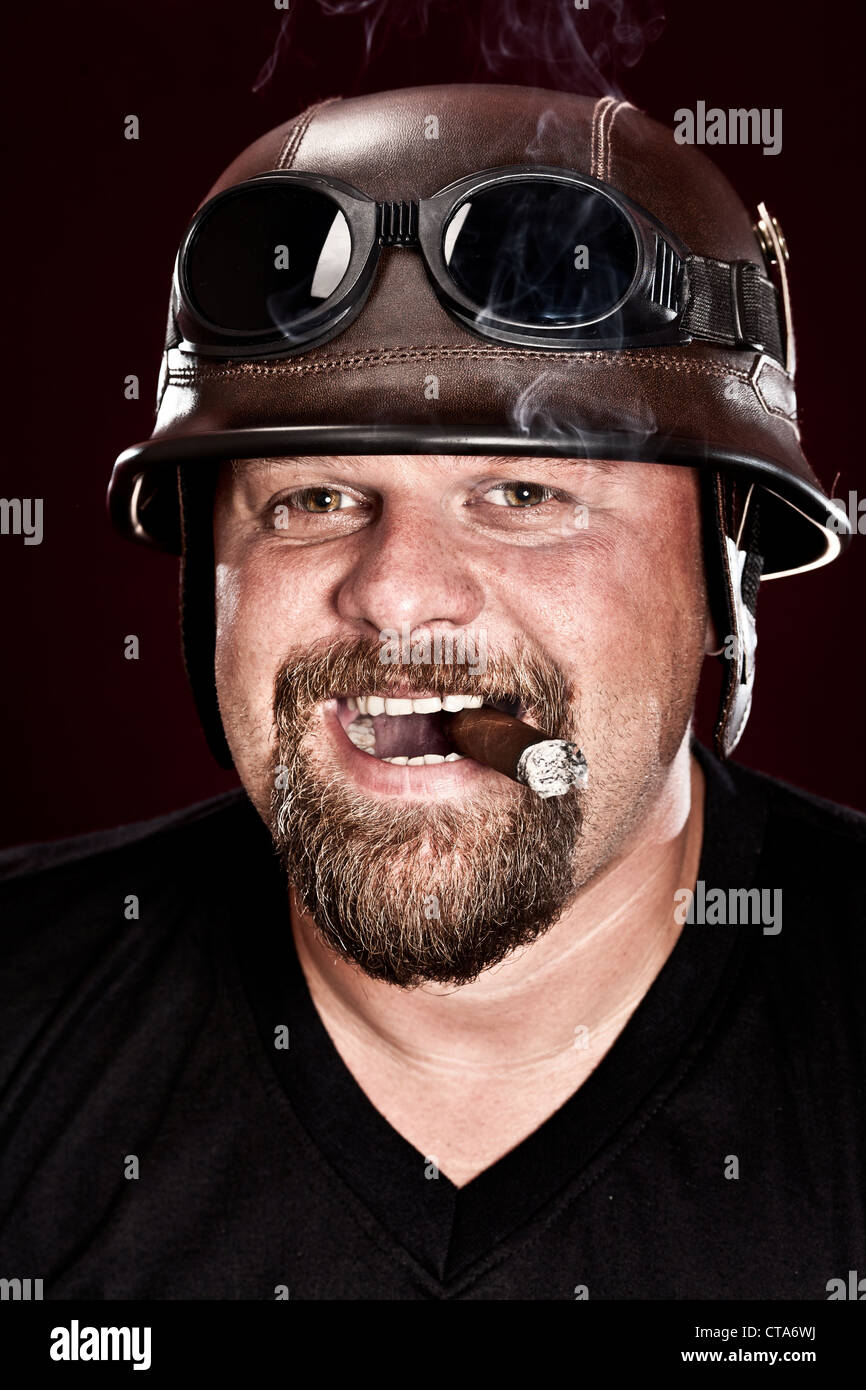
734	596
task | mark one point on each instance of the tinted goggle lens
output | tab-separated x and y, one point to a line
528	252
540	253
265	257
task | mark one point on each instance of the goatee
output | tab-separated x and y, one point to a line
411	892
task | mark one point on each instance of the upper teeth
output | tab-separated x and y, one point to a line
428	704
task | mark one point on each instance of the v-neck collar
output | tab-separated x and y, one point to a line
447	1228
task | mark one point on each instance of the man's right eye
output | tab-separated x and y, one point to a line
288	512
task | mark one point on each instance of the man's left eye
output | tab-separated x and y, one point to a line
519	494
321	499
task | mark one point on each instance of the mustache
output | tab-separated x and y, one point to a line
347	667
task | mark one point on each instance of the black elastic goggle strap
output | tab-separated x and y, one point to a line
196	488
731	302
734	565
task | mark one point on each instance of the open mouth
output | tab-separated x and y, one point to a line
411	729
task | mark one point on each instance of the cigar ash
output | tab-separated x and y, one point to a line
552	767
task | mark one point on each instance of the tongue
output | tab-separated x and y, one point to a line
409	735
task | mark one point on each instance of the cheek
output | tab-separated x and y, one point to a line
612	601
256	623
236	621
623	612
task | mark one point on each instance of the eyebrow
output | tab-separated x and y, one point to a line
319	461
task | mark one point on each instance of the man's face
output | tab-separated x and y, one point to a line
567	591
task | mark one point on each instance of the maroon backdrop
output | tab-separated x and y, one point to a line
92	739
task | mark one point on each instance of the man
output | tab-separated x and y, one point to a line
476	432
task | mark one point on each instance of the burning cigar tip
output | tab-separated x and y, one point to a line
553	767
548	766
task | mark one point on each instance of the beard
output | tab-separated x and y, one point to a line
414	893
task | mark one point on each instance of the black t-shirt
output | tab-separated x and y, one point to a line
157	1143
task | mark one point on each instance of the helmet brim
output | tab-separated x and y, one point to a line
802	529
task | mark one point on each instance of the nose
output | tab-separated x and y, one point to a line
410	571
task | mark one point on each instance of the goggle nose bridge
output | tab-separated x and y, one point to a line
397	224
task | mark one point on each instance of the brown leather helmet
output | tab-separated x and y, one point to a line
722	402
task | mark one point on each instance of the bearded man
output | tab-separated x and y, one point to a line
507	373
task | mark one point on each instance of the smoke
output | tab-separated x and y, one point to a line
402	16
568	48
270	64
533	416
380	19
549	43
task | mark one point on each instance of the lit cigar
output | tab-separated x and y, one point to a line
548	766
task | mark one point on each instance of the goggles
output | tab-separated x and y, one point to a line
529	255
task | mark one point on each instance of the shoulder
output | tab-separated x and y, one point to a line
99	850
743	796
810	851
27	869
59	900
798	818
92	918
811	861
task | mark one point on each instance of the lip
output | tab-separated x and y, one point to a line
437	781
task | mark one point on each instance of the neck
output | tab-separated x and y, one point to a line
572	991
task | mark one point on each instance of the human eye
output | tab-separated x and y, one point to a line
526	510
315	512
520	495
320	499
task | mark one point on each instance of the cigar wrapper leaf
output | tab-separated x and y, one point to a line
548	766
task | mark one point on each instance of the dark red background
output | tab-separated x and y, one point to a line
92	739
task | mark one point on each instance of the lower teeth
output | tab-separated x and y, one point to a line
362	734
